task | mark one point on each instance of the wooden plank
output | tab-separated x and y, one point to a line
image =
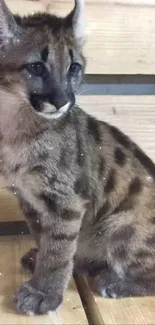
125	311
120	33
134	115
25	7
11	276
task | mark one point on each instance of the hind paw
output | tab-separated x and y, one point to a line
28	261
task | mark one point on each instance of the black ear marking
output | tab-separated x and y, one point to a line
44	54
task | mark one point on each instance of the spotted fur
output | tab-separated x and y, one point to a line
87	192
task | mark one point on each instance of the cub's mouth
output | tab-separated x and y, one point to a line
50	108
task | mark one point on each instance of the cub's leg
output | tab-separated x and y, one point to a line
130	257
57	242
28	261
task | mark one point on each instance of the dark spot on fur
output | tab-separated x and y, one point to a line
102	212
120	137
93	129
124	233
142	254
50	201
135	186
70	215
44	54
152	220
125	205
53	179
120	253
120	157
151	240
128	202
44	155
28	210
38	169
17	167
145	161
101	166
66	157
67	237
71	54
111	180
82	187
28	261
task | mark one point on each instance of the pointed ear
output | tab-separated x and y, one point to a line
76	20
8	27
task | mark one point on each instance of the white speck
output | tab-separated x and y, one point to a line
31	258
100	233
17	40
38	221
22	232
100	148
4	56
149	178
94	59
95	300
1	161
81	154
67	299
0	273
13	185
46	171
104	178
34	91
15	193
30	76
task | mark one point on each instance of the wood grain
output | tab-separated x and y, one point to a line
11	276
119	34
126	311
134	115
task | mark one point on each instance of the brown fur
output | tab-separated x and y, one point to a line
88	195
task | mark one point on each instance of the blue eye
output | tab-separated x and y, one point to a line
36	68
74	69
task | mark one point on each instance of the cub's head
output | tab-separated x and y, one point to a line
47	51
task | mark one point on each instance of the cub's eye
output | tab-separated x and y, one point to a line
37	68
74	69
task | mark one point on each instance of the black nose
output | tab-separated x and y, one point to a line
59	102
60	98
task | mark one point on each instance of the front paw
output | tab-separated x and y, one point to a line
31	301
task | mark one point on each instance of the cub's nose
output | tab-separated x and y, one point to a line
60	102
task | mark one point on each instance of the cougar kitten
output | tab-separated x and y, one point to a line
87	191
